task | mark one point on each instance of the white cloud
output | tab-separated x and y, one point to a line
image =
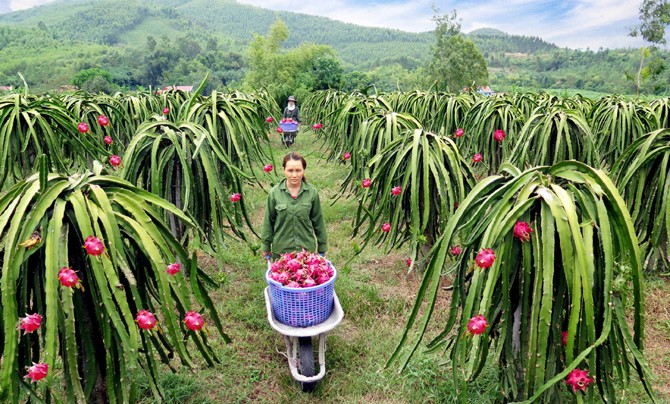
413	16
569	23
24	4
573	23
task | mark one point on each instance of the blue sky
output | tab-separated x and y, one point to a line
571	23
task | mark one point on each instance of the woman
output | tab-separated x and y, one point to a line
293	217
292	111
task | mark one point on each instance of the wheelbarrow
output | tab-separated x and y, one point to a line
289	132
299	349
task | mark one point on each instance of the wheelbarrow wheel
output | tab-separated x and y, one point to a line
306	362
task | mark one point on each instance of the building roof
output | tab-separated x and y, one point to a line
187	89
486	90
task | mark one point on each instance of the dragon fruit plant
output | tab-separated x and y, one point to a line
537	287
104	275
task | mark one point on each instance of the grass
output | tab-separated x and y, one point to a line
376	293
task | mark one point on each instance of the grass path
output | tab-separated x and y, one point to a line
376	293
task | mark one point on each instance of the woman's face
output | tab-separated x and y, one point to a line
294	172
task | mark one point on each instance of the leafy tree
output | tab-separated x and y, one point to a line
151	43
327	73
296	71
87	74
654	17
392	78
456	62
188	47
99	84
158	63
355	80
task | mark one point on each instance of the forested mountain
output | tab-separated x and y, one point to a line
122	22
151	42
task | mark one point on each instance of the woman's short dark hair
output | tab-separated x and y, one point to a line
294	156
297	157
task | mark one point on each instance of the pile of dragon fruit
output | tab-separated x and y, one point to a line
301	270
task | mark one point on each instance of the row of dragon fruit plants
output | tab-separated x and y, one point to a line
101	200
542	212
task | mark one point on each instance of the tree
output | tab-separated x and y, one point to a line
151	43
456	62
327	73
392	77
355	80
99	84
296	71
654	17
85	75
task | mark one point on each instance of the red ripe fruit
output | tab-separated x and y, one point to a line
279	129
564	338
68	277
395	191
93	246
30	323
522	231
456	250
173	268
193	321
485	258
409	262
115	160
317	126
108	140
499	135
37	372
477	158
459	132
366	183
82	127
579	380
346	156
269	119
103	120
145	320
267	168
166	111
477	325
235	198
386	227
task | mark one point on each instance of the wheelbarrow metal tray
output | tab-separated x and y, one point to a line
331	322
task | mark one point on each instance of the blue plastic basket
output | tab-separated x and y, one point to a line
302	307
289	126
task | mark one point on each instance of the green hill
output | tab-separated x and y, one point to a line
50	43
111	22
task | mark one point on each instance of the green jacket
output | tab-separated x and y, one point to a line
293	224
